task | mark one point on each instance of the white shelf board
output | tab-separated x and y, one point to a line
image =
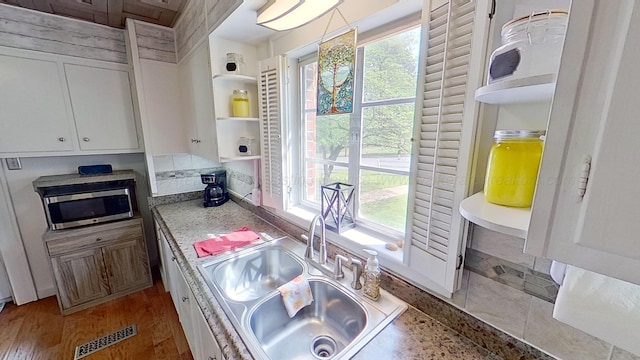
503	219
524	90
224	159
235	118
246	78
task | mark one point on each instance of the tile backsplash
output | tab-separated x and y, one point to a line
180	173
513	292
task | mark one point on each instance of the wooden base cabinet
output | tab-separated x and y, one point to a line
196	329
99	263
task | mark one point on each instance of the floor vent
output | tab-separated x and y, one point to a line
102	342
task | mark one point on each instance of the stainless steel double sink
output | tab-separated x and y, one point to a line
338	323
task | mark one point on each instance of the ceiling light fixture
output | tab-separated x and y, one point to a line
282	15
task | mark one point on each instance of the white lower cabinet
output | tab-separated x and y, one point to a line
196	329
206	346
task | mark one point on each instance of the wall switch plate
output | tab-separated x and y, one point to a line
13	163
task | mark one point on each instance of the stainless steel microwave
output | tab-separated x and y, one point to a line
79	205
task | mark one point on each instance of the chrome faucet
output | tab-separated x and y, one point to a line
322	253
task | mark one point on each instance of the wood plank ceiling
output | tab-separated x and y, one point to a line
109	12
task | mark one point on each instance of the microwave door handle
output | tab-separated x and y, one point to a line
89	195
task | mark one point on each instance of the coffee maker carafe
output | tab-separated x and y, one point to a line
215	194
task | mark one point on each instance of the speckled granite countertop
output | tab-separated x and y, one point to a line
413	335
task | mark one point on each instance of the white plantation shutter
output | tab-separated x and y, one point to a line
272	119
445	129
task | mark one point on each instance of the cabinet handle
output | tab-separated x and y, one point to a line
61	139
211	358
193	141
98	239
583	176
185	298
85	139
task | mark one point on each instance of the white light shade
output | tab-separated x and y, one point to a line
276	8
306	11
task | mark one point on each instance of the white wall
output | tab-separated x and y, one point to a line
364	14
30	212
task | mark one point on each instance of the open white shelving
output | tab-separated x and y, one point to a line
239	158
245	78
235	118
524	90
230	129
503	219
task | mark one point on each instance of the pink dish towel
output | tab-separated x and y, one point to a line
296	294
239	238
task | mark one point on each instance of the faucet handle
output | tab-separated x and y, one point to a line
357	267
337	266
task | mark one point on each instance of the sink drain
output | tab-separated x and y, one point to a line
323	347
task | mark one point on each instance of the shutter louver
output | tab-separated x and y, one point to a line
271	117
440	128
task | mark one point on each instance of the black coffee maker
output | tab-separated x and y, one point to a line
215	194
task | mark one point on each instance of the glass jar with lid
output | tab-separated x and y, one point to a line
512	170
240	103
531	46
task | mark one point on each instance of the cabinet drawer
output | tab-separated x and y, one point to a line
98	238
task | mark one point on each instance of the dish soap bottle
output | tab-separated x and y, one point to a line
371	287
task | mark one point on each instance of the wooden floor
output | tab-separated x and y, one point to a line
38	331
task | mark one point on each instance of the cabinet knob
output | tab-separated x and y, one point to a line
85	139
173	258
61	139
184	298
98	239
193	141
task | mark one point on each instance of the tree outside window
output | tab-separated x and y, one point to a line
380	133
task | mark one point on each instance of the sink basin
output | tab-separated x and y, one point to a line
254	275
335	326
322	329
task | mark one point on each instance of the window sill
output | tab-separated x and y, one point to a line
353	240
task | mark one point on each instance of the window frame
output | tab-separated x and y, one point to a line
356	120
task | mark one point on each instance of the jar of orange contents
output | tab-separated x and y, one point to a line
512	171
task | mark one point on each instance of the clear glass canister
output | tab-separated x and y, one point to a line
513	165
240	103
532	45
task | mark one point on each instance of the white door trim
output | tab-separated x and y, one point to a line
12	248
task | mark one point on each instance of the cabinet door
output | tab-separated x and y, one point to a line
164	129
81	277
187	301
164	257
196	96
206	346
173	274
127	264
586	203
32	103
102	108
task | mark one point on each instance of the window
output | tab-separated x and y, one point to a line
372	146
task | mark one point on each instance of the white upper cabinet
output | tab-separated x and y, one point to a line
61	105
32	99
196	97
586	203
102	108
